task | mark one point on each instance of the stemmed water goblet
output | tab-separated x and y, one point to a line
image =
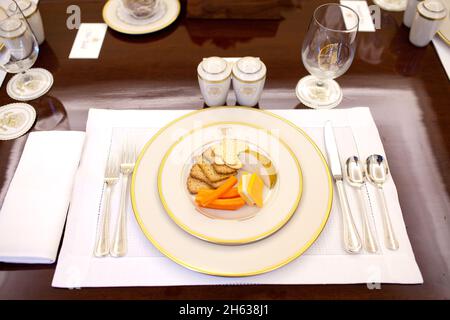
327	53
19	50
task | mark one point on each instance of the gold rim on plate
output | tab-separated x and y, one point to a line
114	26
445	23
209	272
441	34
218	240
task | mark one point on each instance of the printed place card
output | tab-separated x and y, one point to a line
362	9
88	42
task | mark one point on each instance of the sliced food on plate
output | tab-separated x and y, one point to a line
229	175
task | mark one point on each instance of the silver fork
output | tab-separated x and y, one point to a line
111	178
119	247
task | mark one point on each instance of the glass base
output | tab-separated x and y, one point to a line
125	16
318	94
391	5
30	84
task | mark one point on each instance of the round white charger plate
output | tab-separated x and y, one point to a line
258	257
248	224
110	16
15	120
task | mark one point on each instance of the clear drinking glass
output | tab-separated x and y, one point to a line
19	50
141	9
327	53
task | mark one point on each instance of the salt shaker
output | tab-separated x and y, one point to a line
214	78
428	18
410	12
249	76
33	16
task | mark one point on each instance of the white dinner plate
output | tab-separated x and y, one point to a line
270	253
117	19
249	223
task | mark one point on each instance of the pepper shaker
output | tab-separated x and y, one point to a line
214	78
426	23
249	76
33	16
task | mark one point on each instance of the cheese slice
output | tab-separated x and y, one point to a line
250	188
255	190
242	188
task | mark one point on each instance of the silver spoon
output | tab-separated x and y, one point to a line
377	173
355	177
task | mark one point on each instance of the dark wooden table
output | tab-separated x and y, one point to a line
405	87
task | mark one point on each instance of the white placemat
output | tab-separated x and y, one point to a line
325	262
443	51
34	211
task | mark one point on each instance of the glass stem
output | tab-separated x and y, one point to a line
26	78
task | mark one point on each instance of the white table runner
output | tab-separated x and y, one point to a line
325	262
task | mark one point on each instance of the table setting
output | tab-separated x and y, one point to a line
235	187
78	265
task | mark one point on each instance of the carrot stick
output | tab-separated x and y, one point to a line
227	185
232	193
226	204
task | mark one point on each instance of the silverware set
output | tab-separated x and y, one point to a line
375	171
114	168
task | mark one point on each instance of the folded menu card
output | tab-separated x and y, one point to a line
34	211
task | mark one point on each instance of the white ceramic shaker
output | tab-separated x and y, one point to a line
214	78
33	16
249	76
426	23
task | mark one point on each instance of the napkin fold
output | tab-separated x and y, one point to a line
34	210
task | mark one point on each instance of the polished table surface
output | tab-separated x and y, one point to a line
405	87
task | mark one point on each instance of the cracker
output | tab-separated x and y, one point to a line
217	184
211	173
208	155
194	185
197	173
223	169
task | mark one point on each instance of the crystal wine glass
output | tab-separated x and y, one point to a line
19	50
327	53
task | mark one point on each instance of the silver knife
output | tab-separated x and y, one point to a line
352	241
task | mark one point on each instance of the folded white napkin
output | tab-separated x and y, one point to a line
34	211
